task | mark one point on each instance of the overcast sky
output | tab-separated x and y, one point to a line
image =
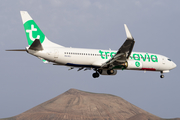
26	81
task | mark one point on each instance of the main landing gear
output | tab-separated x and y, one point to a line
95	75
161	76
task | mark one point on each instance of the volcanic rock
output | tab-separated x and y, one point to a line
79	105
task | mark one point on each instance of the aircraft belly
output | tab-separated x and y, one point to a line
85	60
150	66
78	60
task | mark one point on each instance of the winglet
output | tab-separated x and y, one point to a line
128	34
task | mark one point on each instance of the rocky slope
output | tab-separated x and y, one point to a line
79	105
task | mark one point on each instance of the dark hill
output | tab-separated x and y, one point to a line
79	105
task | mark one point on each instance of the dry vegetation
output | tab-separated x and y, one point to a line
79	105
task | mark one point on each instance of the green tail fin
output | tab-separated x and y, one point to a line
34	32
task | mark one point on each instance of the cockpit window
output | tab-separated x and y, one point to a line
169	59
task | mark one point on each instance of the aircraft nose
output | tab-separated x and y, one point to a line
173	65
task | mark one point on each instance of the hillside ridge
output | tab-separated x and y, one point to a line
81	105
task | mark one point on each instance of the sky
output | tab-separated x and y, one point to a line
25	81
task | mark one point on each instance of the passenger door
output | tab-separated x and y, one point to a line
56	53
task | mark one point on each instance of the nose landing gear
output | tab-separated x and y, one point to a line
161	76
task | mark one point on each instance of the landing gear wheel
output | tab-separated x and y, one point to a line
111	71
161	76
95	75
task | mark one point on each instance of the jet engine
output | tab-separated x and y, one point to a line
107	72
132	64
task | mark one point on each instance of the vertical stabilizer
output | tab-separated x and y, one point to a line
34	32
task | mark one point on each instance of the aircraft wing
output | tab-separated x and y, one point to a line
123	53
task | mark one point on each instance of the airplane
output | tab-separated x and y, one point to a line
103	62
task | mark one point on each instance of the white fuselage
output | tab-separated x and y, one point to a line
104	62
94	58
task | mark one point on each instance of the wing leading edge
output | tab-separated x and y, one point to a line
120	58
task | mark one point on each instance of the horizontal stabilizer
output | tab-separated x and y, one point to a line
17	50
44	61
36	45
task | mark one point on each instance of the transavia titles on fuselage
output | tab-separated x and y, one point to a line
104	62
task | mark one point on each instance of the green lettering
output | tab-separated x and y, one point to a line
131	57
136	57
148	57
143	57
101	52
112	53
154	58
106	53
